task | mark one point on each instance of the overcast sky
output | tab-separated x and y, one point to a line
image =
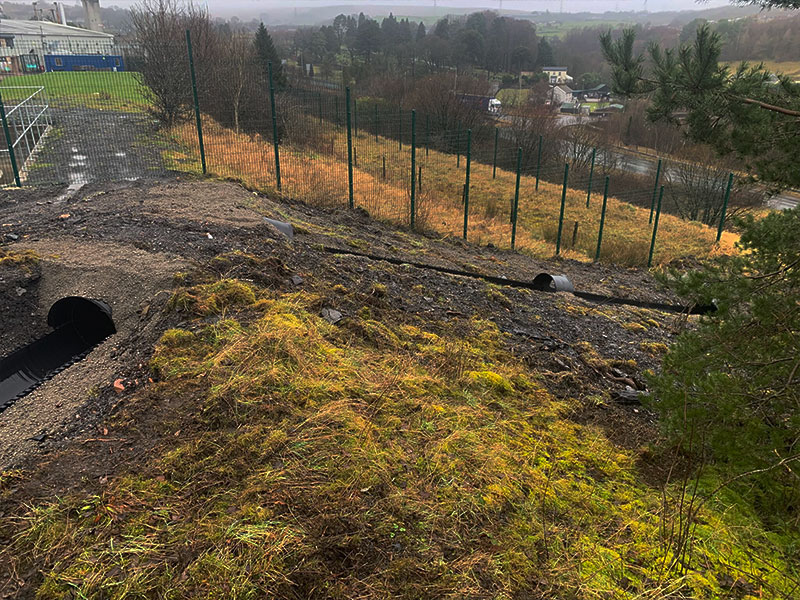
245	8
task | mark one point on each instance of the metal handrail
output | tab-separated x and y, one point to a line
30	125
38	89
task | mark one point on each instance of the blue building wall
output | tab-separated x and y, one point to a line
83	62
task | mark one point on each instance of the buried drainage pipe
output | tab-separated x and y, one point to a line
79	324
544	282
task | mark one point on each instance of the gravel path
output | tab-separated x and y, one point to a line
87	145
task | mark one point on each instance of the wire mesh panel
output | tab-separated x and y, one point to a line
79	116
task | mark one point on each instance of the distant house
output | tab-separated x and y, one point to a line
561	94
608	110
570	108
557	75
574	108
599	93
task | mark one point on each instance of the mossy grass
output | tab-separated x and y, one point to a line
377	460
23	259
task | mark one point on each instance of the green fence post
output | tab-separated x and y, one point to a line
655	190
563	204
591	172
602	222
466	181
349	152
655	229
458	148
494	160
725	206
196	102
538	163
274	128
11	154
427	133
413	168
399	128
516	201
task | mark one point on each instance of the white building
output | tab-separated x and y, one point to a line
557	75
24	44
561	94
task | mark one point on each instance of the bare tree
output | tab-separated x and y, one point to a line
437	97
160	28
578	140
526	125
697	184
240	79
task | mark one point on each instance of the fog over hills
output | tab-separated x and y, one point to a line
316	11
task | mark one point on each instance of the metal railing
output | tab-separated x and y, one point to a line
26	124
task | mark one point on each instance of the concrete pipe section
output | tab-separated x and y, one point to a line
79	324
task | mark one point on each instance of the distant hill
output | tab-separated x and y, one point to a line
319	15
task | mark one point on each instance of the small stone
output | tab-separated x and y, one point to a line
64	216
21	291
296	280
12	237
283	227
330	315
39	438
119	386
628	396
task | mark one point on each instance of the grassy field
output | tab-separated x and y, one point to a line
98	89
559	29
511	97
790	68
319	176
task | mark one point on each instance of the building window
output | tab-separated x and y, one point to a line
59	62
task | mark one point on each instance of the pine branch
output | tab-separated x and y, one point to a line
771	107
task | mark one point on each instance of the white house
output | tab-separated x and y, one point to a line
557	75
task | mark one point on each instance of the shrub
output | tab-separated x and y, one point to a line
730	389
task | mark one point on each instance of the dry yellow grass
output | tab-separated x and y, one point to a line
320	177
790	68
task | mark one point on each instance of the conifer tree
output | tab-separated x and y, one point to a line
741	111
544	56
266	53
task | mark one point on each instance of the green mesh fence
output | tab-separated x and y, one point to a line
101	115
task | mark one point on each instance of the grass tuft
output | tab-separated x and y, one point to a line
22	259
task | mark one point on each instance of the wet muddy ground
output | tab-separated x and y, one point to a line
88	144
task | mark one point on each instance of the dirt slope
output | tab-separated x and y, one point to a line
124	243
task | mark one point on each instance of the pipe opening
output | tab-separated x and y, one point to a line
552	283
79	324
